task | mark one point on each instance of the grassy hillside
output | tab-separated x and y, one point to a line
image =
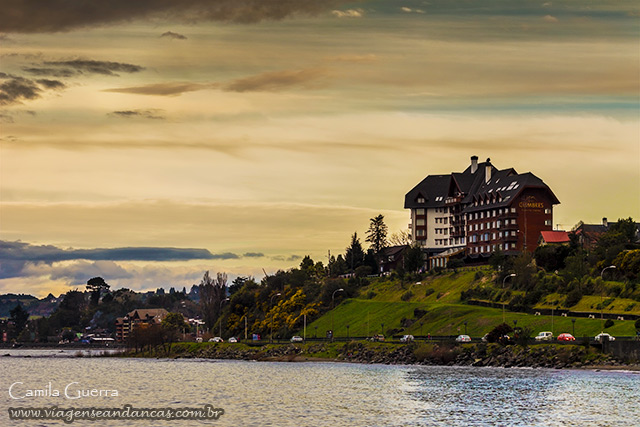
433	306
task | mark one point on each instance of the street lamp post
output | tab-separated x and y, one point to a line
602	296
465	327
270	304
220	320
503	282
332	298
573	321
347	332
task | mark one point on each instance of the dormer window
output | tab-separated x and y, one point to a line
420	200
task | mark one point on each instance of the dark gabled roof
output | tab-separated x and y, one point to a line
431	189
394	250
505	186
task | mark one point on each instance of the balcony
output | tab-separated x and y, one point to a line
452	200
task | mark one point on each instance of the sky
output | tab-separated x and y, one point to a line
147	142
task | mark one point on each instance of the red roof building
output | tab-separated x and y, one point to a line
553	238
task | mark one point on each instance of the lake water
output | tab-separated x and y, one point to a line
320	394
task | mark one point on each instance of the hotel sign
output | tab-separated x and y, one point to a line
530	202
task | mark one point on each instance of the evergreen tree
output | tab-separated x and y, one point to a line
354	255
377	234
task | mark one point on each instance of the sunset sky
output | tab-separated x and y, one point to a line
149	141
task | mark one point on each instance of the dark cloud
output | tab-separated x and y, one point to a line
172	35
6	118
19	89
253	255
14	256
225	255
36	16
294	258
164	89
96	67
54	72
51	84
277	80
154	114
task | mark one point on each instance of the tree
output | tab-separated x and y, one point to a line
400	238
172	326
96	286
377	234
19	317
354	255
413	258
212	292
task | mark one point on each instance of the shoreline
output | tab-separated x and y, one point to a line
292	354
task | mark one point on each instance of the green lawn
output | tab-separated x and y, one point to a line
365	318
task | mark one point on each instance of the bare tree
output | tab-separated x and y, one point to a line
400	238
212	292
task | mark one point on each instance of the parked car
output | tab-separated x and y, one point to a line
463	338
199	339
216	339
296	338
233	339
544	336
378	337
566	337
406	338
603	335
485	338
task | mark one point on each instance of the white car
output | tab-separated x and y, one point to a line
601	337
406	338
232	339
544	336
296	339
216	339
463	338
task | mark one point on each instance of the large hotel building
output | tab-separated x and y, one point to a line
472	214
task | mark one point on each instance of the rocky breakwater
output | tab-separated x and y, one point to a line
541	356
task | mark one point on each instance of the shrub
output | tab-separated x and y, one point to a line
371	295
428	292
608	323
479	275
418	313
573	298
637	324
498	331
406	296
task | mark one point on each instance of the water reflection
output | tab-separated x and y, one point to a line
336	394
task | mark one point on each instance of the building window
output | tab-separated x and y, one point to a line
547	222
419	211
419	232
420	222
513	210
420	200
547	211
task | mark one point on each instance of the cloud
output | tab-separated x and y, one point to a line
164	89
253	255
354	58
14	253
349	13
154	114
276	80
269	81
294	258
409	10
34	16
97	67
38	71
549	18
18	89
172	35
